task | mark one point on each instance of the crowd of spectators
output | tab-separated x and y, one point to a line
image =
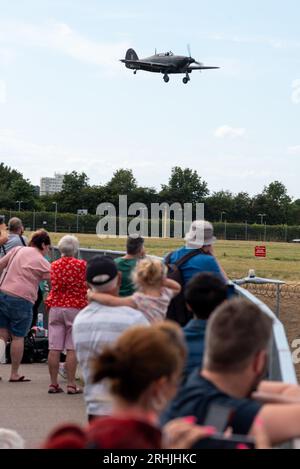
147	382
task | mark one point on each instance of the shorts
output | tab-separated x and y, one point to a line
60	328
15	315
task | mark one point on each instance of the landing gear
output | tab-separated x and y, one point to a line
166	78
134	72
186	79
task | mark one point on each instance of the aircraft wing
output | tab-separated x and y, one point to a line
151	65
201	67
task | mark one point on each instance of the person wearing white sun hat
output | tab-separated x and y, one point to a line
200	239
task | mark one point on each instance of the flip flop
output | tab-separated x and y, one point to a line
22	379
74	390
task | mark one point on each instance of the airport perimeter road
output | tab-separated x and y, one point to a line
30	410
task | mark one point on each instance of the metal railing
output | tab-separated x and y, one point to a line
253	280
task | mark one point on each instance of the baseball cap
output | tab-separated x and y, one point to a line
101	270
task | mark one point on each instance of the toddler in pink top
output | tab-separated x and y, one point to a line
154	291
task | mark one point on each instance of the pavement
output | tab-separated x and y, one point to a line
30	410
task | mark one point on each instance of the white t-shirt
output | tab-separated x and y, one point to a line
94	327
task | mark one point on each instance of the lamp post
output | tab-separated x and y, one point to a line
222	213
262	215
55	216
19	202
265	231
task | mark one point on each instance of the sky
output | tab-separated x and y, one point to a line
67	102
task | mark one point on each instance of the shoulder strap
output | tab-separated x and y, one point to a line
3	249
22	240
185	258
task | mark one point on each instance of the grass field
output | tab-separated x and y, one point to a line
237	257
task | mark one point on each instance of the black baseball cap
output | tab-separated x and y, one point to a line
101	270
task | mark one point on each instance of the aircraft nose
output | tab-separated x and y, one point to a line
192	60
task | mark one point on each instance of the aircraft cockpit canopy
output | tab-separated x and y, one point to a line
166	54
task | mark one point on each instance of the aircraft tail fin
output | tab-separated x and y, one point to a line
131	55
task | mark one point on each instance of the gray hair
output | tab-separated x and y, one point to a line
107	287
14	224
68	246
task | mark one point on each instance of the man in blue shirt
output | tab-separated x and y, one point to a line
200	238
203	293
235	362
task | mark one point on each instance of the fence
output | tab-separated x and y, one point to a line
74	223
287	291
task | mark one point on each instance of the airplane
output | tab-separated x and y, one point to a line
165	63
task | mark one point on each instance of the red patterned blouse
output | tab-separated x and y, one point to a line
68	284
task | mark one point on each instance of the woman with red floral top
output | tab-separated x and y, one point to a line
67	297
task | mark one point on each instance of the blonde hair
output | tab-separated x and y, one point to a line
149	272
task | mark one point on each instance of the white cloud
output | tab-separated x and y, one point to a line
225	131
60	37
7	56
294	150
296	92
3	92
36	160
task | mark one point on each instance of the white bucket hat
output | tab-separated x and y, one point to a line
201	233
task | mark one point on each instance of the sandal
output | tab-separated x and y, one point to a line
74	390
54	389
22	379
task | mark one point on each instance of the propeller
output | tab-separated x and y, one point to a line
192	61
189	50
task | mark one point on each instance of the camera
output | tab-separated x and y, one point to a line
219	416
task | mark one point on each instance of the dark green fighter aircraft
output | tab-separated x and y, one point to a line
165	63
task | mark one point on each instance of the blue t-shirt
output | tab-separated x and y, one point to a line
194	333
197	395
199	263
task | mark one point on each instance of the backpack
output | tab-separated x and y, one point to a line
35	349
177	310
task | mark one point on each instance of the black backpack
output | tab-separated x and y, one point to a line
177	310
35	349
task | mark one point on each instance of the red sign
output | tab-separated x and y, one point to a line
260	251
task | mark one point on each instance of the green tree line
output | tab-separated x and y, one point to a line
272	206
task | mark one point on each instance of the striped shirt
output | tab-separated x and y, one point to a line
14	240
95	327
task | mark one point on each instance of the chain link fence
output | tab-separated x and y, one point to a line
287	291
77	223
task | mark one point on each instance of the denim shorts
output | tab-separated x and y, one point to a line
15	315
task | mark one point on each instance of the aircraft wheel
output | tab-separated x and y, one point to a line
166	78
185	80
